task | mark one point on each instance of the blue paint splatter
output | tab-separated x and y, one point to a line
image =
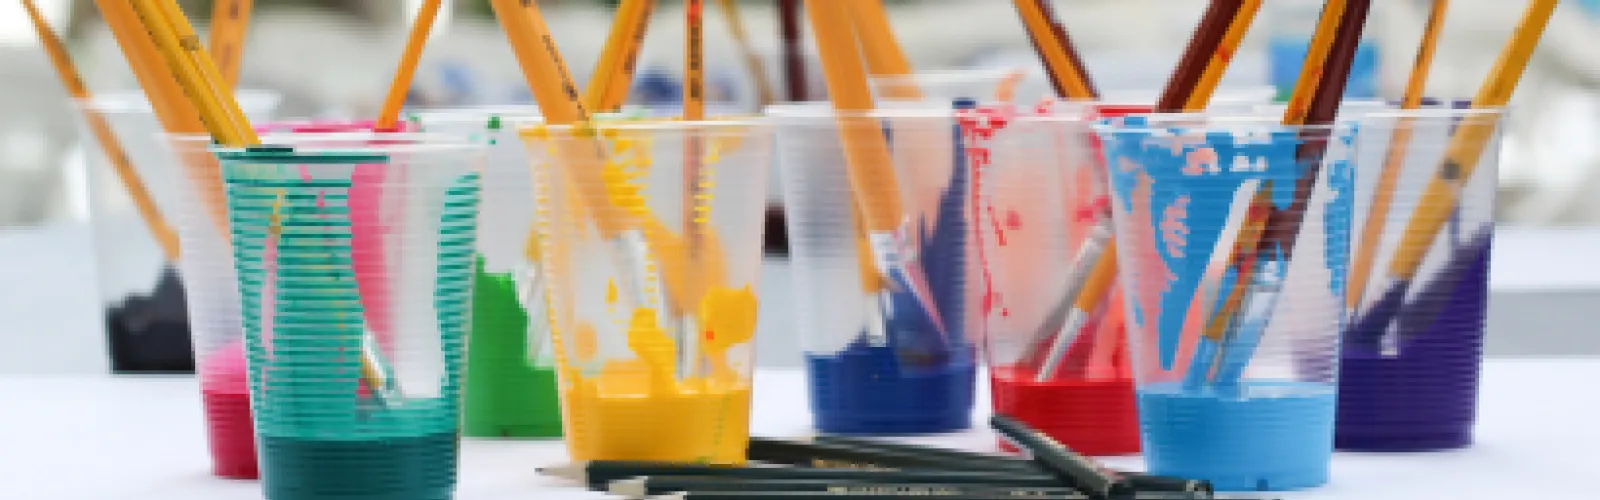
1197	174
1337	216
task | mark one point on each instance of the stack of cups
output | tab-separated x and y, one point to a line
1233	243
650	257
1056	353
148	327
207	307
883	300
1408	377
354	260
511	378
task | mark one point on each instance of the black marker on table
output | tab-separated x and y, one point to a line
597	474
1087	474
879	444
641	487
1143	483
822	495
824	453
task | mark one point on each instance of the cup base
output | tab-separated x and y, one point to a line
511	403
1279	441
1093	417
506	394
401	468
499	430
1453	439
231	434
865	393
622	415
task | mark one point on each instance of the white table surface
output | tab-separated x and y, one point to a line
64	437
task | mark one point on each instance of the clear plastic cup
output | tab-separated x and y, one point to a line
208	269
354	260
174	325
1235	353
511	378
146	321
650	257
1042	223
887	340
1408	375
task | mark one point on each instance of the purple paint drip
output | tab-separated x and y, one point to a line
1426	397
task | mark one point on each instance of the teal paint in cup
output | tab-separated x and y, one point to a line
355	262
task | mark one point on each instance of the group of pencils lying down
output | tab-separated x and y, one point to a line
841	468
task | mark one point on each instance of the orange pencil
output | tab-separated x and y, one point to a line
165	237
230	21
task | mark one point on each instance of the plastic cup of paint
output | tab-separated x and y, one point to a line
176	326
650	249
148	329
1409	371
511	380
214	307
1043	223
511	375
353	254
886	331
1235	356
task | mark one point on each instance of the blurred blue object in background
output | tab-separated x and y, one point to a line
1286	54
655	86
459	83
1590	6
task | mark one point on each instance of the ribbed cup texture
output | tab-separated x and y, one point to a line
650	257
1041	198
337	254
511	377
1235	365
884	311
1409	370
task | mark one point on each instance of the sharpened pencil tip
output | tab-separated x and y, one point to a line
575	471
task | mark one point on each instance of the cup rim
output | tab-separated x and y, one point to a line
292	145
1206	121
1437	111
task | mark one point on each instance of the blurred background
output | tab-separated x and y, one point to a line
334	59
